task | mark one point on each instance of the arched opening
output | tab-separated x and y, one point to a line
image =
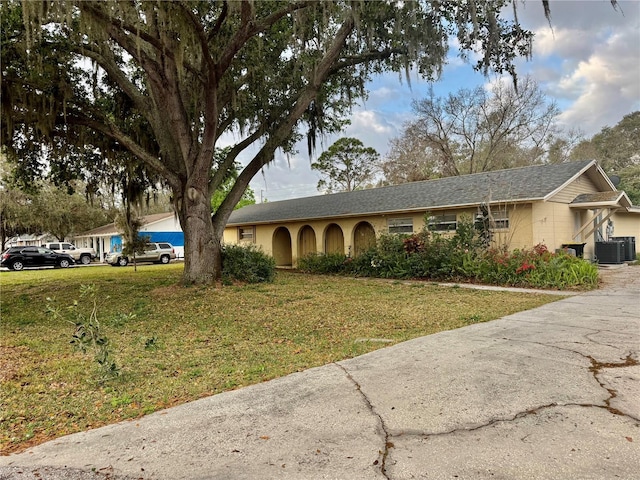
306	241
364	237
282	247
333	239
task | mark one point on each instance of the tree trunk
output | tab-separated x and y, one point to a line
202	247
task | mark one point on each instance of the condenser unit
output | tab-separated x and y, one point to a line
609	252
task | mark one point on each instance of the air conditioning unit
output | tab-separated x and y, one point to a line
628	249
609	252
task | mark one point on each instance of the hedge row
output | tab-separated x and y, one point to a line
460	258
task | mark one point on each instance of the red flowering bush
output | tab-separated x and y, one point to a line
525	267
413	243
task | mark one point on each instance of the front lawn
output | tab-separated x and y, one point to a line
172	344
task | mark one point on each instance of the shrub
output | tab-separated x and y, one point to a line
247	263
325	263
537	268
461	257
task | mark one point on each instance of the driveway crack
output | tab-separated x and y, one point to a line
597	367
381	461
495	421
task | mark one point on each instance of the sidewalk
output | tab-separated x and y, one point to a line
550	393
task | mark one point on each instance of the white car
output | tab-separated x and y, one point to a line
156	252
80	255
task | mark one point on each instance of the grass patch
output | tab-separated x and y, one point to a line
175	344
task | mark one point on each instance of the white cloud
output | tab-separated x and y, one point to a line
589	62
606	84
369	121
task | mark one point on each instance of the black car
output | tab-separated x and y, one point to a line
17	258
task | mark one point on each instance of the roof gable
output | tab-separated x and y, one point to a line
601	199
513	185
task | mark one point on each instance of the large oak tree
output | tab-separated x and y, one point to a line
164	81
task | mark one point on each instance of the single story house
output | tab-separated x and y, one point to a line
572	203
29	240
159	227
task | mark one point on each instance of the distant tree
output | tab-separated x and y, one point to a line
478	130
409	159
248	197
15	214
561	146
617	150
346	165
43	208
64	214
630	182
618	147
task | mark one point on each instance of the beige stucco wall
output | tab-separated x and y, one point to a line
556	224
264	233
627	225
553	224
519	235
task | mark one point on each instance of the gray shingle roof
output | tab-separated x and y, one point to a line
518	184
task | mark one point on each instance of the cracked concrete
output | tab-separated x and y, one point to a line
384	452
552	393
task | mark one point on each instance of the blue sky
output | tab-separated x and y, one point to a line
588	62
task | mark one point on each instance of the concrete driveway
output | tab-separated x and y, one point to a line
551	393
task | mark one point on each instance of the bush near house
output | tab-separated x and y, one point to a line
461	258
247	263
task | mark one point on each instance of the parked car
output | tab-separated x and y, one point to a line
159	252
17	258
82	255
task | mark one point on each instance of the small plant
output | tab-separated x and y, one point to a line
121	318
151	343
88	335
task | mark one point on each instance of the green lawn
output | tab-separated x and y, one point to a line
174	344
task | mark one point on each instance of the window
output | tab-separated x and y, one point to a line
246	234
444	222
400	225
500	219
54	246
66	246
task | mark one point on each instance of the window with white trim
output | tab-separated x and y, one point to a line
500	219
246	234
400	225
444	222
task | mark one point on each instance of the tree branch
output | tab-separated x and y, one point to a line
283	129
